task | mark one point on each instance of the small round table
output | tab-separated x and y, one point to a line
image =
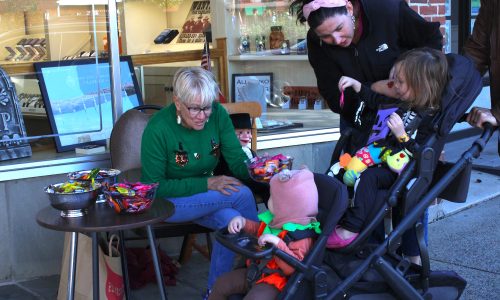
102	218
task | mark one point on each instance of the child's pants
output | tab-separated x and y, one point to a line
235	282
371	193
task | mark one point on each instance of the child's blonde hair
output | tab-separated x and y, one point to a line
426	73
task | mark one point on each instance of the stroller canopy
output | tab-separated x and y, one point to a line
464	86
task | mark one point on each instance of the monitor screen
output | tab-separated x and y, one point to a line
77	93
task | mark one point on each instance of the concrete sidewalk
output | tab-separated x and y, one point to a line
483	186
468	243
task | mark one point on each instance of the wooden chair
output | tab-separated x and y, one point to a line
253	109
125	150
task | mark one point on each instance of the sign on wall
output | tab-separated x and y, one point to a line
253	87
12	130
196	24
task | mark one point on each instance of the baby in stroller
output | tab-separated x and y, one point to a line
419	77
290	224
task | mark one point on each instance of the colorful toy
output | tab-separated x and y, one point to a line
367	157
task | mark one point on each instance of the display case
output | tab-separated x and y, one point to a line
70	30
264	37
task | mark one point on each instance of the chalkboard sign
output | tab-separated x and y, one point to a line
12	130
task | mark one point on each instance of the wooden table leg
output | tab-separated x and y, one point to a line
70	295
95	266
154	254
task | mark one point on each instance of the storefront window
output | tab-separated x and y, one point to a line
53	49
66	34
460	18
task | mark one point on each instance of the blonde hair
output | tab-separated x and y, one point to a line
426	73
193	83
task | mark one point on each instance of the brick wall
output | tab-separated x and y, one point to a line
431	10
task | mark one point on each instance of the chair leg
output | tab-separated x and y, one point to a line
189	242
186	248
209	244
203	249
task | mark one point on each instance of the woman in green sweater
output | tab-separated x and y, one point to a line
181	146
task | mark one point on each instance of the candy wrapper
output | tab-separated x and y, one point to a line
263	168
130	197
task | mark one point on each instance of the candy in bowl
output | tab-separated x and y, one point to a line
130	197
98	174
263	168
72	198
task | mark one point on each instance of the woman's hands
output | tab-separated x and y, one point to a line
479	115
268	238
346	82
223	184
236	224
396	125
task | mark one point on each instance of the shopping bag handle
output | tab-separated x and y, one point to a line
112	250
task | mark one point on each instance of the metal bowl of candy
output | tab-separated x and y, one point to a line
72	198
263	168
130	197
99	175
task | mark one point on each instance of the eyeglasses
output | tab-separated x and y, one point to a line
195	111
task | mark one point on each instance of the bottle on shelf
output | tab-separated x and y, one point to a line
244	44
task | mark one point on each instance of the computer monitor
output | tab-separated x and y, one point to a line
77	93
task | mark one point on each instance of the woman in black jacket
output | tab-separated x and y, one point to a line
360	39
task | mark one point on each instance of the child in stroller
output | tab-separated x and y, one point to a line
290	224
377	271
419	77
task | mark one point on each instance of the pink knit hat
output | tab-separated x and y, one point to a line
294	200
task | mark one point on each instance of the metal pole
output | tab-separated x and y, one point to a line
114	61
95	266
72	266
154	253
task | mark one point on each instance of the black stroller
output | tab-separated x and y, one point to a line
376	271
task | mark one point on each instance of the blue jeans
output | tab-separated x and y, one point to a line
214	210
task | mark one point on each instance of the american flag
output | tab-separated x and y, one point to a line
205	57
207	65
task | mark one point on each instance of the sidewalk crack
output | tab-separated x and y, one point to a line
465	266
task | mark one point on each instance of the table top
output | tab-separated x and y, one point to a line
101	217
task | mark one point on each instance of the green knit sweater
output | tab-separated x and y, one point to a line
162	141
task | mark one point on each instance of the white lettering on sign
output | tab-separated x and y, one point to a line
5	120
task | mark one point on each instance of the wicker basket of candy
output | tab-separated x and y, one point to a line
263	168
130	197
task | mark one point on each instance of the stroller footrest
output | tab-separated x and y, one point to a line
398	283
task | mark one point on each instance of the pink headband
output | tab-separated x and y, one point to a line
317	4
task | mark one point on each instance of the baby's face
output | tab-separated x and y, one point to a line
244	135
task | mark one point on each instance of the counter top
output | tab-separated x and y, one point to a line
48	162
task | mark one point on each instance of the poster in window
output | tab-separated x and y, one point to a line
197	23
